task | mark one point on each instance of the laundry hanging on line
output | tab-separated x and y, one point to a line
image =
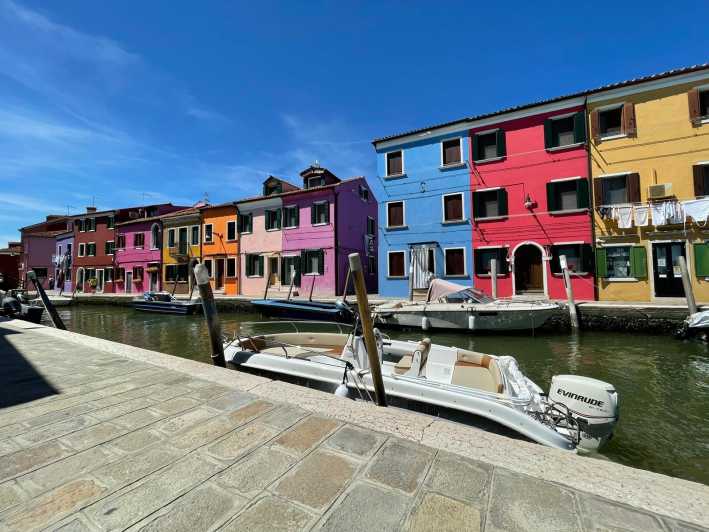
641	215
697	209
623	214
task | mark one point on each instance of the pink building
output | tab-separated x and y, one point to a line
530	196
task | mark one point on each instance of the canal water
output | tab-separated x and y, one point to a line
663	383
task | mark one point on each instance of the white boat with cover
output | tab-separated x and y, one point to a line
579	412
453	306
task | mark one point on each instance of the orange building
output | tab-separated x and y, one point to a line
220	247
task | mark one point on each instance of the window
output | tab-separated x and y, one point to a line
82	249
363	193
91	249
395	214
90	224
274	187
231	267
80	225
610	122
195	235
208	235
245	223
273	219
394	163
108	275
110	224
490	203
155	236
208	266
109	247
564	131
372	265
170	272
320	213
489	145
139	240
371	226
579	258
621	262
315	182
137	274
171	238
485	255
567	195
701	179
451	152
291	215
254	266
453	207
231	230
314	262
68	249
611	190
41	273
396	264
454	259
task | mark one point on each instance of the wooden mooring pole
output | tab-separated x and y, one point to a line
493	277
53	314
210	313
687	285
367	329
573	317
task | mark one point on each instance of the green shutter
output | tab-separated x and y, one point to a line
582	199
298	269
548	140
260	265
250	222
278	218
239	224
327	212
297	216
638	262
701	259
502	265
313	214
601	263
580	127
501	146
551	198
502	201
321	262
476	205
476	148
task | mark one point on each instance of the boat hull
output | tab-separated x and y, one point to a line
466	319
31	313
163	307
303	310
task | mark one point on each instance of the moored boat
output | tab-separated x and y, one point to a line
339	311
165	303
14	304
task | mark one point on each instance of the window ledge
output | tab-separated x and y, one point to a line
613	137
452	166
490	160
565	147
397	228
491	218
395	176
320	224
488	275
287	227
461	276
247	232
621	279
272	230
312	274
254	276
396	277
138	247
570	211
572	274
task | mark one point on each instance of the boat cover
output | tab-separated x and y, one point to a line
699	320
440	289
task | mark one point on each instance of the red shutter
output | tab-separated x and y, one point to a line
694	111
629	127
598	191
595	126
698	180
634	188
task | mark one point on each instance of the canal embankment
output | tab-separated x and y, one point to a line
99	434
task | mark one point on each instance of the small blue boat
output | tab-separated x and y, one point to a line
165	303
339	311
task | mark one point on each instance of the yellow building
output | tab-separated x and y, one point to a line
649	154
181	249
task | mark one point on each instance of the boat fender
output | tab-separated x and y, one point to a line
342	390
425	323
471	322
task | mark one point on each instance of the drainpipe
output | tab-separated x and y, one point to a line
238	254
335	246
591	199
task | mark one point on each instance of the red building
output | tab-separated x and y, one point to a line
529	181
10	265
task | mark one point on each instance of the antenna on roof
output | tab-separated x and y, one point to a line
316	164
68	209
206	198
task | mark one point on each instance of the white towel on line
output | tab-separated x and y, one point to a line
641	215
624	216
698	209
659	213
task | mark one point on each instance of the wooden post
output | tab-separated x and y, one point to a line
687	284
569	293
53	314
493	277
210	313
347	285
292	280
312	286
268	282
367	328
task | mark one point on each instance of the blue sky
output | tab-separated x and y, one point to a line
129	102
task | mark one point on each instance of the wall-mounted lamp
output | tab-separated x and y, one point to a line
529	203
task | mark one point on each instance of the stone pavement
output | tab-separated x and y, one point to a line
94	441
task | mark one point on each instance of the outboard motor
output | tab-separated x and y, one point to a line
591	403
345	313
11	305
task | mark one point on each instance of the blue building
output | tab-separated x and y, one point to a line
425	209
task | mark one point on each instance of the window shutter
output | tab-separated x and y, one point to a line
586	258
502	265
501	147
476	204
694	111
595	126
304	261
327	212
601	264
634	187
297	216
239	224
502	201
321	262
701	259
555	263
598	191
638	262
476	148
298	269
548	141
582	200
629	126
698	180
551	198
260	265
580	127
278	217
313	215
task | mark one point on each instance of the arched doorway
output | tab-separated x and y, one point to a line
80	279
529	269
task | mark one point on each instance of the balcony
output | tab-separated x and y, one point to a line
179	250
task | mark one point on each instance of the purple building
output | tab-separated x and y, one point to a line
62	258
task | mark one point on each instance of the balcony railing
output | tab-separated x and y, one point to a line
178	250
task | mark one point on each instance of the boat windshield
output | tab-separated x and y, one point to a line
257	328
469	295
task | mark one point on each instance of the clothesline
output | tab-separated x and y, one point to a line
665	212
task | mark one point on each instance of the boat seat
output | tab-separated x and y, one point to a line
405	363
295	351
474	376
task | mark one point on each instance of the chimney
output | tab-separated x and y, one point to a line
89	210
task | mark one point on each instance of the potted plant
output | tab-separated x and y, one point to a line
93	283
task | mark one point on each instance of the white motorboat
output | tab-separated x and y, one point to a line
453	306
579	412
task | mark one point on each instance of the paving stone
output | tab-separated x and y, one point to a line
365	508
186	419
436	512
202	508
136	440
676	526
58	473
56	430
72	525
104	414
283	417
138	419
317	480
257	471
61	415
175	405
400	465
132	505
53	506
134	467
7	447
306	434
209	392
94	435
600	515
460	478
518	502
12	430
231	401
270	514
355	441
204	433
241	441
9	496
17	463
250	411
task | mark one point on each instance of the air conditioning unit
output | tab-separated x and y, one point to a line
659	191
